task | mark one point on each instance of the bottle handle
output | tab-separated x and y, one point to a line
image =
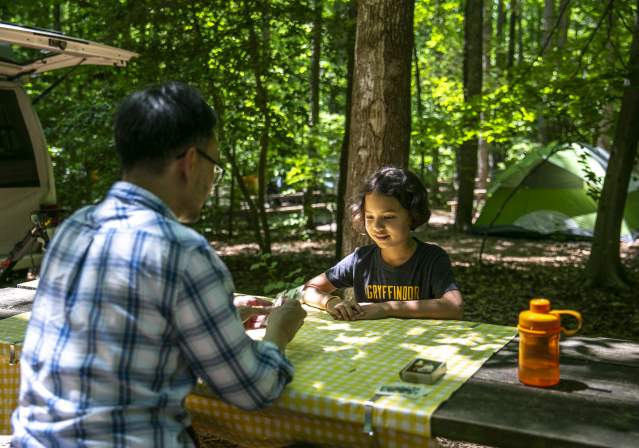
575	314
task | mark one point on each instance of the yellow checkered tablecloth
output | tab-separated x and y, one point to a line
12	332
338	368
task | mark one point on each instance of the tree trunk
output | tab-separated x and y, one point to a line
536	27
432	176
545	127
314	121
231	211
605	127
604	131
483	166
564	24
254	222
549	21
341	199
604	264
260	64
500	59
467	165
436	197
520	36
560	124
254	218
380	115
57	17
512	37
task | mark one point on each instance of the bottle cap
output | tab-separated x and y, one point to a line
539	318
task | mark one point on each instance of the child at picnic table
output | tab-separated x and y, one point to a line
398	275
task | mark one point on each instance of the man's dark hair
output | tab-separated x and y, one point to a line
401	184
154	125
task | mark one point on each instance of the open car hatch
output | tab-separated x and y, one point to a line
27	178
25	51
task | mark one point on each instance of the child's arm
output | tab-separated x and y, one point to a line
317	293
448	306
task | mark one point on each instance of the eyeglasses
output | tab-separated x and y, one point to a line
218	170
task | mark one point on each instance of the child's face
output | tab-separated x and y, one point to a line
387	222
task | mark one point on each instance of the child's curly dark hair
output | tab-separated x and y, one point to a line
399	183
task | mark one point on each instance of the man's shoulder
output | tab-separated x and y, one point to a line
169	231
185	236
141	217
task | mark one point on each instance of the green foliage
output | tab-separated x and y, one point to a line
83	174
276	279
594	183
575	87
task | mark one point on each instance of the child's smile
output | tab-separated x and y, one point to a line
387	222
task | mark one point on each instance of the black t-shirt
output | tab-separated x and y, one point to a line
426	275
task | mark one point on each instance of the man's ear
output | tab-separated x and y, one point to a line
186	165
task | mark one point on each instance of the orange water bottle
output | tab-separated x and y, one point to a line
539	330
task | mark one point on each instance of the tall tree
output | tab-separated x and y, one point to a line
57	17
512	30
420	108
604	265
260	52
343	158
316	43
520	36
500	59
549	20
564	24
547	129
467	160
603	137
483	161
380	114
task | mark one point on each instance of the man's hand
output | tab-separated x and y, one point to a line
371	311
252	310
283	323
343	309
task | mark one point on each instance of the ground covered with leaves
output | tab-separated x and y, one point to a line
512	272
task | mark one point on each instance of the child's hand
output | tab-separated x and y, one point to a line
343	309
371	311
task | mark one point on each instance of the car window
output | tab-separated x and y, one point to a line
17	160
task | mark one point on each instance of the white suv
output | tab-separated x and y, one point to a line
27	184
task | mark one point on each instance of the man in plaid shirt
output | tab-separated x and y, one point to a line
133	306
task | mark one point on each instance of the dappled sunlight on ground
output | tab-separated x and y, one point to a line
464	248
322	247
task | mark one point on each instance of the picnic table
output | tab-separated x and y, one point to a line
596	404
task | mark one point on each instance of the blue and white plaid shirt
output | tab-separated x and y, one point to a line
131	307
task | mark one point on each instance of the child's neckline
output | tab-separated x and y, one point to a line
403	261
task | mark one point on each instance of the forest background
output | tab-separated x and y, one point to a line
277	72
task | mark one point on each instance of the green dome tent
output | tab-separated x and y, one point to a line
546	194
